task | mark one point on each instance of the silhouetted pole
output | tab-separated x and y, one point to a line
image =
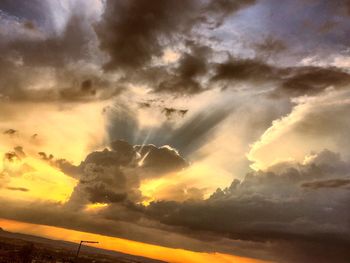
81	242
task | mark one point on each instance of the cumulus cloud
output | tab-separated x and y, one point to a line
274	206
115	175
311	126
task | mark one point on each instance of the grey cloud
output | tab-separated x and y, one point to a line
290	81
265	207
132	31
244	70
59	49
270	46
185	78
332	183
269	206
162	160
312	80
56	215
53	66
105	177
114	176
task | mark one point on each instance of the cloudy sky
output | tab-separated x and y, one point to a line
218	128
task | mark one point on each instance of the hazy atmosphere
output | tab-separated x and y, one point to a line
201	130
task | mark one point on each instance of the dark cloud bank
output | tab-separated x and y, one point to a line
132	34
294	212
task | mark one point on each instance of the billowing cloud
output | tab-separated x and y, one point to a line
115	176
132	31
311	126
275	206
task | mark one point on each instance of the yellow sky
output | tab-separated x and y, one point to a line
40	180
123	245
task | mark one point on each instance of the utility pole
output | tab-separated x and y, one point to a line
81	242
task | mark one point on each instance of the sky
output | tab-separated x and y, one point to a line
215	130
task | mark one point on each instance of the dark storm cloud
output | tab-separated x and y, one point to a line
312	80
131	32
192	65
244	70
162	160
281	206
290	81
114	176
332	183
54	215
271	206
107	177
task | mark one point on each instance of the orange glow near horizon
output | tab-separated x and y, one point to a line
122	245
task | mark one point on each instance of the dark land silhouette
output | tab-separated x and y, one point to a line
21	248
